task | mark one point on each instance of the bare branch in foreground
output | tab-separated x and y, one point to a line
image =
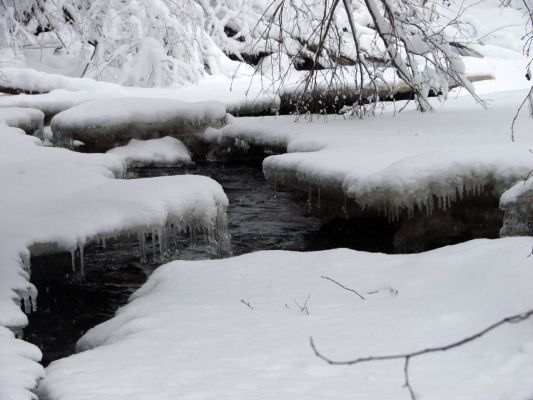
408	356
342	286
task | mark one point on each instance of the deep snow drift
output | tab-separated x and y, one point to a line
187	333
55	199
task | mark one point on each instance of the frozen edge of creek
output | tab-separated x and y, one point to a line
71	199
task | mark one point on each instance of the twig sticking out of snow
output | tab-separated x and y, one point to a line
342	286
408	356
303	308
247	303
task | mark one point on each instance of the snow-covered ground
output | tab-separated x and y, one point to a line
55	199
188	334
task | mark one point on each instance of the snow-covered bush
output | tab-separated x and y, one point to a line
365	45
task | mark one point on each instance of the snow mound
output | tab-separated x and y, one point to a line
105	124
164	151
29	120
235	324
56	199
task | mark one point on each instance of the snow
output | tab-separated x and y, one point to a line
54	199
29	120
30	80
104	124
164	151
397	160
54	102
187	333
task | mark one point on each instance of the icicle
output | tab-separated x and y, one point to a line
33	298
345	208
73	259
160	241
154	248
318	200
82	260
309	200
275	196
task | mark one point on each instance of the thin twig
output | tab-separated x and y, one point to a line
342	286
246	303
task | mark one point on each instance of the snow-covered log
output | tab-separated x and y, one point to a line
104	124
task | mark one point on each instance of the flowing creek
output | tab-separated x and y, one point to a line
260	217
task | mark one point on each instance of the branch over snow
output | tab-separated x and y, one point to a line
410	355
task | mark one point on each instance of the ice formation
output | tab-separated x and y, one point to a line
517	205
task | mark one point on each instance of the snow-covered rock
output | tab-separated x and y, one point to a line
517	204
164	151
55	199
29	120
104	124
232	329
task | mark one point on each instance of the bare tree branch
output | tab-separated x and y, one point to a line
513	319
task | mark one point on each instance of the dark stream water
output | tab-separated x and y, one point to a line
259	218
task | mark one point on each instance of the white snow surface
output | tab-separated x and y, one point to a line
518	193
28	119
137	110
187	334
396	160
164	151
53	198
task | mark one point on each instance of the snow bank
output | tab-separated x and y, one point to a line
164	151
54	102
29	120
54	199
104	124
187	333
397	161
33	81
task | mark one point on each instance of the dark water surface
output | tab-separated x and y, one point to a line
259	218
